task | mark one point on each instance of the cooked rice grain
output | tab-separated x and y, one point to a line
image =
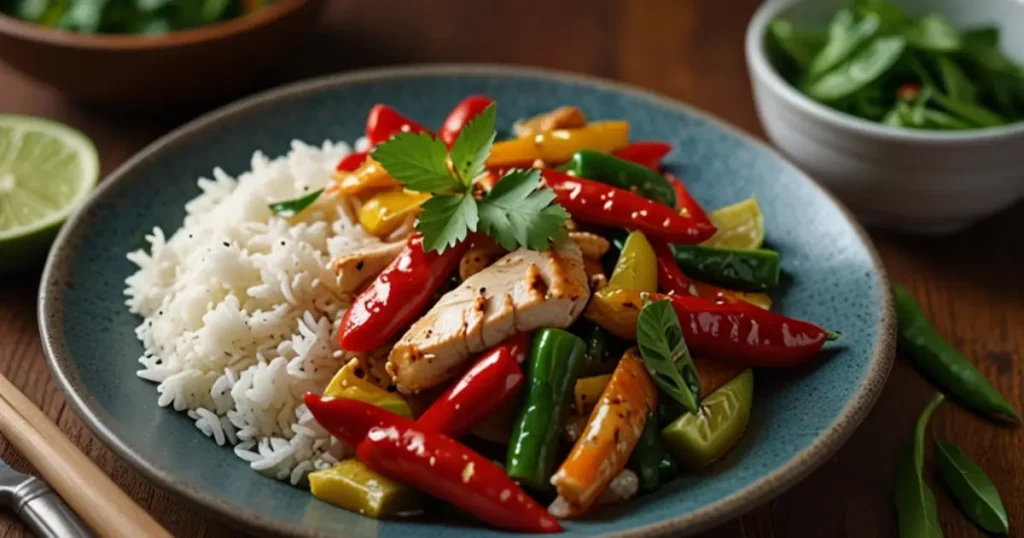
240	312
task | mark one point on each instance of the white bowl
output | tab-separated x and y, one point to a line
921	181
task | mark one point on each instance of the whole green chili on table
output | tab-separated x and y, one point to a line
622	174
950	370
915	504
974	492
743	270
554	364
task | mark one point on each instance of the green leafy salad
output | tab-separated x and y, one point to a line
877	62
128	16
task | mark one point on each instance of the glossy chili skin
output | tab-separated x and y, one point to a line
597	203
448	470
685	202
670	278
746	334
950	370
743	270
398	448
647	456
352	161
397	296
647	154
384	122
492	381
461	115
623	174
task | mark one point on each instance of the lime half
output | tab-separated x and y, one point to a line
696	440
740	226
46	169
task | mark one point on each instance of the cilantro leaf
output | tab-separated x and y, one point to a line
471	148
445	220
419	162
518	214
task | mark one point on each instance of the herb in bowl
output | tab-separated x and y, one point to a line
128	16
877	62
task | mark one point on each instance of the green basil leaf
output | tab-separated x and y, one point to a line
890	15
984	37
915	504
933	33
974	492
290	208
863	68
845	37
666	357
958	86
471	148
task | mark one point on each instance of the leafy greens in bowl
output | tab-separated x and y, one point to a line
877	62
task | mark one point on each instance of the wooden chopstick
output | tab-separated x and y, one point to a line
82	485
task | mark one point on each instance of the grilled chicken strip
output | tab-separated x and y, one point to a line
523	291
356	268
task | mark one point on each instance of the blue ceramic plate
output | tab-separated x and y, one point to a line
800	416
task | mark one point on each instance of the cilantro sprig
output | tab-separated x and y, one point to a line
517	212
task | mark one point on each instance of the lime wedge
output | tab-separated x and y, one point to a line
46	169
740	225
696	440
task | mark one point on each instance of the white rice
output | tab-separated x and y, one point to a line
241	310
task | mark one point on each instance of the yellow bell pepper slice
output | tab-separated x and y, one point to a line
637	267
616	306
369	175
588	391
386	211
350	382
558	146
357	488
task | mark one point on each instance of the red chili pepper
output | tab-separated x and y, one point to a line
461	115
444	468
670	278
348	420
385	122
493	380
744	333
684	202
399	294
647	154
431	461
908	92
352	161
598	203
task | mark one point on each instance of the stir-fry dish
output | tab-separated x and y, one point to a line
556	323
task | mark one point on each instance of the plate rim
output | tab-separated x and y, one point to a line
773	484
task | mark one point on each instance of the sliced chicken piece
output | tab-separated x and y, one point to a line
523	291
478	257
595	274
356	268
593	246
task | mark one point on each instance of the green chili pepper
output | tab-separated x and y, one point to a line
743	270
668	469
555	362
647	456
603	349
976	494
950	370
915	503
623	174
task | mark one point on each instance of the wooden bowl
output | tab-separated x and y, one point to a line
183	66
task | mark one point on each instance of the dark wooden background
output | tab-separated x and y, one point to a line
971	283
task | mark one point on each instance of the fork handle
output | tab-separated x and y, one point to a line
45	513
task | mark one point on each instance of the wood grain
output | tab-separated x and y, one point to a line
971	283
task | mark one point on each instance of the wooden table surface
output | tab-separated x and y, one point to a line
972	283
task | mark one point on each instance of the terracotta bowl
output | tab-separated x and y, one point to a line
189	65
